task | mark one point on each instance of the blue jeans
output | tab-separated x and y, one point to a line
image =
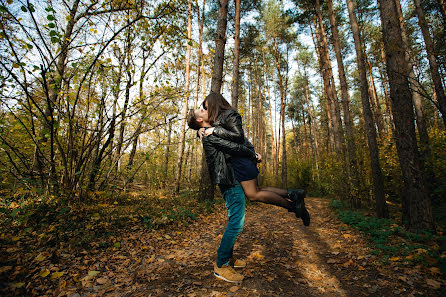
235	204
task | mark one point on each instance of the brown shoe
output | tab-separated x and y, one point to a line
227	273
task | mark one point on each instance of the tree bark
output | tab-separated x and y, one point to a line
235	72
378	180
220	42
376	107
200	54
348	123
185	103
433	65
282	114
415	88
328	82
419	212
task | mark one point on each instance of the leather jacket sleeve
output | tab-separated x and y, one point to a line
231	148
234	130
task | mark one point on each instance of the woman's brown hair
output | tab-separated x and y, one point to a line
217	104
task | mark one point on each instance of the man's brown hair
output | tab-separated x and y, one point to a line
192	120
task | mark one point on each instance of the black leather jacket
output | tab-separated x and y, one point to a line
228	141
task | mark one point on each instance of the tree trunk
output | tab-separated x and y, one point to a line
169	141
442	4
415	88
200	54
378	180
282	115
419	212
235	72
313	140
329	87
273	141
185	103
348	123
220	42
378	116
433	65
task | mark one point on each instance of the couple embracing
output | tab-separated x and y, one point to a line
232	166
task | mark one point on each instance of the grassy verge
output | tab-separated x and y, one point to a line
51	222
393	243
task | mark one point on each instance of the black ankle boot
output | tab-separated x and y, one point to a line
298	198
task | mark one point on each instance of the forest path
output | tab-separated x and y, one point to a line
284	258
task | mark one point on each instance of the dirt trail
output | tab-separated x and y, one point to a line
284	258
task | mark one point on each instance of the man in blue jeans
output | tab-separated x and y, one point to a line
216	151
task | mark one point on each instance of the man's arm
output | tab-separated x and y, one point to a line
229	147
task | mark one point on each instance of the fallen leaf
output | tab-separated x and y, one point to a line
40	257
5	268
394	259
102	280
44	273
333	261
346	236
233	289
348	263
433	283
93	273
57	274
15	238
361	268
435	270
62	284
18	285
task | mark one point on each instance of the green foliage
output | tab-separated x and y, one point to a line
392	240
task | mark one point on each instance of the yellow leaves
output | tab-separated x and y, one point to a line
93	273
18	285
150	259
40	257
57	274
395	259
15	238
44	273
346	236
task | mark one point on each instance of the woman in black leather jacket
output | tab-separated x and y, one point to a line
227	124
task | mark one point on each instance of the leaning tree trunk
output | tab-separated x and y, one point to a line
378	180
419	212
433	65
235	71
185	104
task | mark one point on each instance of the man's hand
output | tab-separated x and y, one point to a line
208	131
259	157
201	132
